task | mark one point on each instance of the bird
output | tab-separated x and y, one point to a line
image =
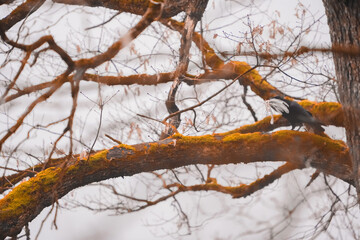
295	114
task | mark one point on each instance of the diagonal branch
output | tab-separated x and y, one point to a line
230	69
19	13
153	13
59	81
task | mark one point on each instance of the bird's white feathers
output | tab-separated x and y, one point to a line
279	105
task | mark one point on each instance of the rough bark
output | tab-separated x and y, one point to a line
19	13
138	7
332	157
344	21
194	13
328	113
304	149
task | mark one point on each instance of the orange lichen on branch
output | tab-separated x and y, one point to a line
301	149
25	197
229	70
253	79
329	113
154	79
210	56
263	125
140	79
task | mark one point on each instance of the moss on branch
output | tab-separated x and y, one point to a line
300	148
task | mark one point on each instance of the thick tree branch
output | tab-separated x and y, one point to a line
19	13
329	113
26	201
139	7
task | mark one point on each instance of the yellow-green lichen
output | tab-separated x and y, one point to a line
48	177
177	136
330	106
248	137
334	145
284	137
198	139
126	147
18	199
239	67
73	168
153	147
285	134
252	78
307	104
99	156
327	107
24	195
234	137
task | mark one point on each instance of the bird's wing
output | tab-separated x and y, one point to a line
301	114
279	105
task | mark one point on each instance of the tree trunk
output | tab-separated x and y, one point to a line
344	23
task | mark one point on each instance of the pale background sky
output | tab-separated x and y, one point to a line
218	216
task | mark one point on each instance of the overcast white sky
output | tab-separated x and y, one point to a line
231	216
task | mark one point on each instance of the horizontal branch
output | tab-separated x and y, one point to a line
140	79
139	7
344	50
329	113
211	184
242	190
27	200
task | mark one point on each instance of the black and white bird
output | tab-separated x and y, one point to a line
295	114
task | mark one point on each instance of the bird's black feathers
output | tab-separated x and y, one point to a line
295	114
